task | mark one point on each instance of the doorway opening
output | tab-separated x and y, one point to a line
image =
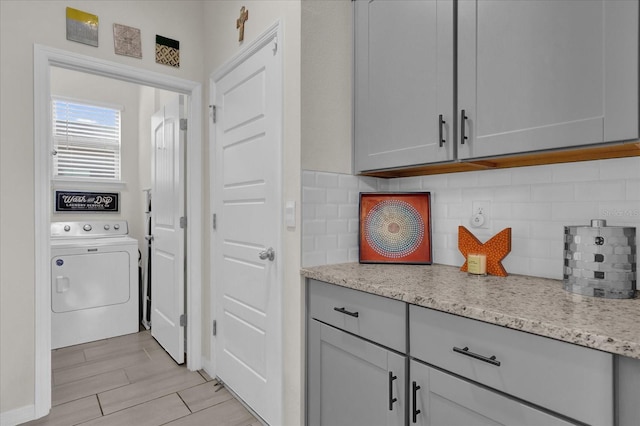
49	61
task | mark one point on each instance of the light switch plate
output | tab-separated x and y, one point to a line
290	214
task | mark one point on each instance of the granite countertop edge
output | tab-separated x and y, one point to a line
616	334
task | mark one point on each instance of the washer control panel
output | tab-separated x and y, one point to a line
89	229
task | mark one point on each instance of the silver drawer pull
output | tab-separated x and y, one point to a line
465	351
344	311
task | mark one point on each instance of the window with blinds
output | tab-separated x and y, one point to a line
86	141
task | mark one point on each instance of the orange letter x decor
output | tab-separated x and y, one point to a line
496	249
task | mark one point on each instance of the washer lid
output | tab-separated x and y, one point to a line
92	242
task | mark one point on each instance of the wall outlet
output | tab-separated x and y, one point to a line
480	214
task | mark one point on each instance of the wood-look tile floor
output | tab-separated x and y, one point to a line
131	380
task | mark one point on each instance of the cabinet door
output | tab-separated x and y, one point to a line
351	381
440	399
536	75
403	82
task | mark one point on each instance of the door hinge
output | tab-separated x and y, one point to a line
214	329
183	124
183	222
183	320
213	113
215	221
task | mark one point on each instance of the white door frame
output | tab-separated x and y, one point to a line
44	59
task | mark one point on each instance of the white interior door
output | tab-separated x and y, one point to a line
246	281
167	248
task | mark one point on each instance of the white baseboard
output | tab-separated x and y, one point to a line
18	415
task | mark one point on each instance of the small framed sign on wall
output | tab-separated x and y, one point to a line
81	201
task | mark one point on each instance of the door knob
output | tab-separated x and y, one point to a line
267	254
148	237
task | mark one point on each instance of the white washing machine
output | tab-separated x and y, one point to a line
94	281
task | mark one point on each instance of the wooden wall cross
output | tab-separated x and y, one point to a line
244	16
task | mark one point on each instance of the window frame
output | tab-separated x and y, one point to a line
66	181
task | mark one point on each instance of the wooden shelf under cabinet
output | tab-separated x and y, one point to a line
619	150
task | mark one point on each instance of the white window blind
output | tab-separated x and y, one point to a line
86	141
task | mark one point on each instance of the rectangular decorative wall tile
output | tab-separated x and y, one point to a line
82	27
167	51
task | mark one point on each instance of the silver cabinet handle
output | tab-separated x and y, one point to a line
267	254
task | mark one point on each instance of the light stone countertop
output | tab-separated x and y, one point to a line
535	305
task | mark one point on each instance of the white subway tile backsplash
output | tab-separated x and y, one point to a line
432	182
633	190
308	180
620	168
478	194
314	195
327	180
552	192
513	193
531	175
575	172
317	227
531	211
607	190
446	195
348	211
326	242
411	184
325	211
462	180
348	181
546	268
338	256
314	258
501	211
535	202
348	241
574	213
494	178
337	195
546	230
337	226
368	184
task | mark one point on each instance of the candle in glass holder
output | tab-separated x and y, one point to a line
477	263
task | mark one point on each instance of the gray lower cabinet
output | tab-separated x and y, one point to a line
628	391
439	399
375	361
570	380
352	381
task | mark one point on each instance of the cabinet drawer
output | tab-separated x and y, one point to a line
565	378
372	317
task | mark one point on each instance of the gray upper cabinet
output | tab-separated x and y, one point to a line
538	75
530	76
403	83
